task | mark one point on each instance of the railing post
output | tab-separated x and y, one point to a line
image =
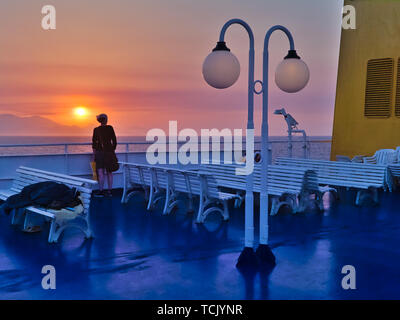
126	151
66	164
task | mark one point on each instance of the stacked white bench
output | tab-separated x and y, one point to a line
383	156
27	176
359	176
166	184
291	186
389	158
394	170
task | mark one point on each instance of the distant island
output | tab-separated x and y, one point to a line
11	125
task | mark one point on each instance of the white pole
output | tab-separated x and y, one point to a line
247	256
290	144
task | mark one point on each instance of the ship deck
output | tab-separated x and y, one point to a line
143	255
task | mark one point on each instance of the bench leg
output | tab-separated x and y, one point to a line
203	212
27	219
373	192
155	195
167	200
214	208
358	197
17	214
200	218
150	198
124	194
88	232
294	203
170	202
274	206
319	198
238	200
53	227
209	211
304	201
13	218
225	213
146	193
57	228
130	192
277	203
129	195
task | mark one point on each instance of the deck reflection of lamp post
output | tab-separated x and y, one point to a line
221	69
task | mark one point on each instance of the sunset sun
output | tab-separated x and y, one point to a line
81	112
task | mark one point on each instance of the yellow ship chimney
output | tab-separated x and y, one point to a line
367	109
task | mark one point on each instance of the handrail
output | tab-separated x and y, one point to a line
63	144
66	146
125	143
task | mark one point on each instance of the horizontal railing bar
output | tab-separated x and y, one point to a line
133	143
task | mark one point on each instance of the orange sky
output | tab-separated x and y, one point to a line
140	61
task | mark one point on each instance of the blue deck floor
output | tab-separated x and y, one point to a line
142	255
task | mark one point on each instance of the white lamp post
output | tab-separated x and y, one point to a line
291	76
221	69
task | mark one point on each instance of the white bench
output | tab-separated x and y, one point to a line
383	157
291	186
27	176
136	177
394	170
162	183
359	176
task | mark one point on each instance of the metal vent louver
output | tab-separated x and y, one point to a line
397	107
378	93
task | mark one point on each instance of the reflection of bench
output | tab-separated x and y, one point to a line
359	176
286	185
27	176
167	183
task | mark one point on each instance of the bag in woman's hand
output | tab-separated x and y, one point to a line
114	163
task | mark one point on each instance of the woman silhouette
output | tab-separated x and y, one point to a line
104	143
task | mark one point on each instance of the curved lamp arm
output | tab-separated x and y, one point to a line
281	28
242	23
249	202
250	123
266	70
264	228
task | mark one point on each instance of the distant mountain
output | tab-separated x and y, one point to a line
11	125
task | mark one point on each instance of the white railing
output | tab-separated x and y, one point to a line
65	148
74	158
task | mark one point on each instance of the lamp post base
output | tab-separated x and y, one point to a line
265	256
247	260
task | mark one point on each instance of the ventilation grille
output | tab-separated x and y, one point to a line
397	107
378	94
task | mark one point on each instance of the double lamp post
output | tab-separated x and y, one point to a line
221	69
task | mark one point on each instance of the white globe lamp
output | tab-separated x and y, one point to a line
221	68
292	74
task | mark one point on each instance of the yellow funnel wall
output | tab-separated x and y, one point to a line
377	36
